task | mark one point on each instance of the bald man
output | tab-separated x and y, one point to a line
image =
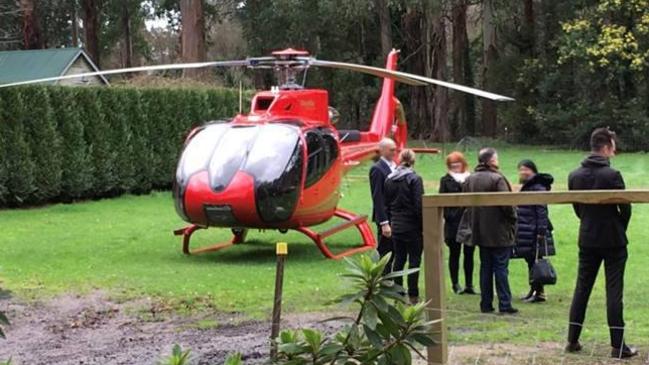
378	174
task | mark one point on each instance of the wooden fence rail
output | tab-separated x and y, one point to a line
433	214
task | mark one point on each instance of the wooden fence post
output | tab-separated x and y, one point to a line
435	281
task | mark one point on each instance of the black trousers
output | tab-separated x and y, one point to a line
455	250
384	247
408	247
590	259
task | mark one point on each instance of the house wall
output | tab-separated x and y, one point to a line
81	66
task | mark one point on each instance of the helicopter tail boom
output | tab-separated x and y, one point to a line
384	111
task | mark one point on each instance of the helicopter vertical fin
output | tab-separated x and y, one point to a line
383	116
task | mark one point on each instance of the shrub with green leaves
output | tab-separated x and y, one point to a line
67	143
385	330
3	322
178	357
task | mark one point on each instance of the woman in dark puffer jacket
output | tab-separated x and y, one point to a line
534	229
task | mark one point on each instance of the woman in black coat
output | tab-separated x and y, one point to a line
403	191
534	231
452	183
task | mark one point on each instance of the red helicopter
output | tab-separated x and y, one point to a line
280	166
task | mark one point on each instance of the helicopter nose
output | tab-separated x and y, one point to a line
233	206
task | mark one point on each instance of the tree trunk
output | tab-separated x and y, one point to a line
425	40
489	57
386	26
438	70
75	25
32	37
529	24
90	10
462	106
192	35
127	41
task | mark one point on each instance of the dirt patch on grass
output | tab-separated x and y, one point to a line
93	329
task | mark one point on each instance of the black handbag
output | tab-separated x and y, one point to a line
543	272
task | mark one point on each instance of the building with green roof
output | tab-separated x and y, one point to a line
16	66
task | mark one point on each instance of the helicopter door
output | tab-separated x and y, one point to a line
322	152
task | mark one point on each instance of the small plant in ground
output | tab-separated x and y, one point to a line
177	357
385	330
4	321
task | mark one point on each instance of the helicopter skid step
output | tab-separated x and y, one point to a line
238	237
351	219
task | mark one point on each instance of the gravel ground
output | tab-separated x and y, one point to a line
94	330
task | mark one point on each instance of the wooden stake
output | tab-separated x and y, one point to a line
435	283
281	251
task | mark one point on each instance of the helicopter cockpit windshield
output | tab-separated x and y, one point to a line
271	154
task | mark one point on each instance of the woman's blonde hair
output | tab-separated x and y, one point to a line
407	157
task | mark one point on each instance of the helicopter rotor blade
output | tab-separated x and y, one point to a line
408	78
176	66
375	71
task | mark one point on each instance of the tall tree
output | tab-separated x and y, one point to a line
192	35
462	106
127	42
32	37
385	23
91	11
489	59
425	33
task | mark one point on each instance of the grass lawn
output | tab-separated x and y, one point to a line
125	246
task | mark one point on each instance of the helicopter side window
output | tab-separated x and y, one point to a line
322	151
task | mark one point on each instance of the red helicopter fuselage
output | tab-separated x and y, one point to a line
280	166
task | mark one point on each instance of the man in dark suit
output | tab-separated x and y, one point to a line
378	174
602	238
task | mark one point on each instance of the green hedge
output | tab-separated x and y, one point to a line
65	143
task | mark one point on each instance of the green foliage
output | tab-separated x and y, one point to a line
385	330
65	144
44	143
20	164
177	357
76	170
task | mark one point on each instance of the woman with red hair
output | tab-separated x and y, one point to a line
458	171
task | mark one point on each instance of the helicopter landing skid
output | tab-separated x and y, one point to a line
239	236
369	242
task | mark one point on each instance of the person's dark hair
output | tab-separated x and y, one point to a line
600	138
529	164
486	154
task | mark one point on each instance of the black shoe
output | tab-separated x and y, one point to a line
624	353
487	310
469	291
537	298
510	310
457	289
573	347
528	296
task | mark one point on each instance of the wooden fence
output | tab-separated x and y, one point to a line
433	213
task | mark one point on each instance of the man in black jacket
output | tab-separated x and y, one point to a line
602	238
493	231
378	173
